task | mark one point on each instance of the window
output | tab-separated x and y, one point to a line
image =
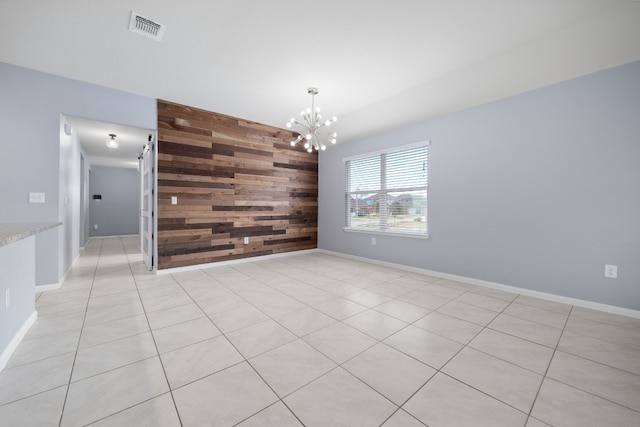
387	191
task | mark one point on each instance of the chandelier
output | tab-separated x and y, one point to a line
311	125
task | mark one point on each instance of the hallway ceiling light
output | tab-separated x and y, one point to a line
310	129
112	142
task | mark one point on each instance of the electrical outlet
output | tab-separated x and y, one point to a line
7	298
373	241
246	240
611	271
174	200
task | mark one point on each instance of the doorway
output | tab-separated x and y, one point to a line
111	199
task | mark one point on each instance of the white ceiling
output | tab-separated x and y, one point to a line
378	64
93	136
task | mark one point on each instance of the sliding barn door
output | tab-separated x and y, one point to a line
147	171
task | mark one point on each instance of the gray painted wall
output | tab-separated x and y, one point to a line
537	191
30	109
117	214
18	274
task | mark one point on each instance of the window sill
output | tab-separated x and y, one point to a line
385	233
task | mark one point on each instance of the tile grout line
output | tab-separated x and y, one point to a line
555	350
544	377
66	395
153	337
439	370
245	360
338	365
128	364
341	365
367	308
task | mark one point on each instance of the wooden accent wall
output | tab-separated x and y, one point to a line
233	178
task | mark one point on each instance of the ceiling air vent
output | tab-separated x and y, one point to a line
145	26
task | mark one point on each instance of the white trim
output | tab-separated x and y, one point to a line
384	233
233	262
17	339
426	143
113	237
49	286
514	289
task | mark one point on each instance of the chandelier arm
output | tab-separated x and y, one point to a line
307	118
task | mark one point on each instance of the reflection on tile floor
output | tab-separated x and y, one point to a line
311	339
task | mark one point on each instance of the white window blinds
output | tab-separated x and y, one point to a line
387	191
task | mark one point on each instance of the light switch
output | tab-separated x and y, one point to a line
36	197
174	200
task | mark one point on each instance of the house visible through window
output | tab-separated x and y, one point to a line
387	191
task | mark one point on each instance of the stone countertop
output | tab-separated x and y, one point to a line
13	231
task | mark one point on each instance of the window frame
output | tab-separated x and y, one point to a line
381	229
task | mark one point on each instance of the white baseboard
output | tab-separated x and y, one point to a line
507	288
232	262
17	339
113	237
49	286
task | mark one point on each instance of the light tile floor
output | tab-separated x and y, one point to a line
314	340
